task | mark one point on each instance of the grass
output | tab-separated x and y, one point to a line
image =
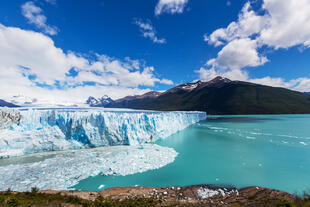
35	198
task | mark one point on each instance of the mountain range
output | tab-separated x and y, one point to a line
220	96
3	103
100	102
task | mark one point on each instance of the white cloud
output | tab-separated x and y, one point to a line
170	6
278	24
238	54
298	84
283	24
34	16
288	23
30	60
208	74
148	31
248	23
302	84
166	81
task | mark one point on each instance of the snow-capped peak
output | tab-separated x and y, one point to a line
103	101
91	100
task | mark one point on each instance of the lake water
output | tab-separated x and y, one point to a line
262	150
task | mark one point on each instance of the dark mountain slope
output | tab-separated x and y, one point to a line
222	96
7	104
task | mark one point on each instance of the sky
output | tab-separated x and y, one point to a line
67	50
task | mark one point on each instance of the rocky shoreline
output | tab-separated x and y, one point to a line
197	195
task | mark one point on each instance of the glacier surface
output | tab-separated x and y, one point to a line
26	131
64	169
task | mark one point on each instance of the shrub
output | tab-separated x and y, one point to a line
12	202
34	190
285	204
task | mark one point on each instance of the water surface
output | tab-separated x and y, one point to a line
262	150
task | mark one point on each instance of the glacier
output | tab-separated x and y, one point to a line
63	169
34	130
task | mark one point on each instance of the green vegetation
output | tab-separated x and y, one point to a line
37	199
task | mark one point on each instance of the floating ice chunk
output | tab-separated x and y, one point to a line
101	186
64	169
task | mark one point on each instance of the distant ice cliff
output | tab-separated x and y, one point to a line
27	131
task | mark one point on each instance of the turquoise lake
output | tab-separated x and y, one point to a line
262	150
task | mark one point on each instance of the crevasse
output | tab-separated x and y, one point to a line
28	131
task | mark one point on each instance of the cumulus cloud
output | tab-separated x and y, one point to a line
238	54
278	24
248	23
170	6
282	25
34	16
148	31
33	66
288	23
208	74
166	81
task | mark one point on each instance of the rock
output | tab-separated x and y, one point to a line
9	117
188	196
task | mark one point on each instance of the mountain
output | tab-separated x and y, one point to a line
21	100
7	104
103	101
221	96
91	101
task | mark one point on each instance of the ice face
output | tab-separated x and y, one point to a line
40	130
61	170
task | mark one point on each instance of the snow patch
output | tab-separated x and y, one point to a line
205	193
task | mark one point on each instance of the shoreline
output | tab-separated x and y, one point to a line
195	195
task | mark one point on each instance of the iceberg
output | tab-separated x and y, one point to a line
64	169
34	130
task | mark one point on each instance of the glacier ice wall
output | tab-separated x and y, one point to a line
62	170
28	131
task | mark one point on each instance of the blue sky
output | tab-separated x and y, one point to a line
76	48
